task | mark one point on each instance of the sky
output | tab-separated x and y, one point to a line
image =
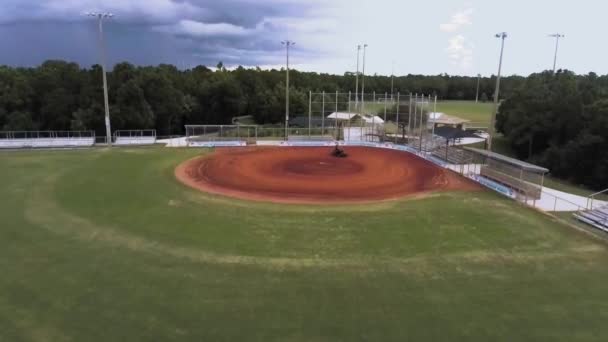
403	36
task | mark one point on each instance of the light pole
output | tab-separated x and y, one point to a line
357	80
557	36
502	36
363	80
392	80
435	117
100	17
287	44
477	92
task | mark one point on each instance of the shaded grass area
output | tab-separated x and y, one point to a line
106	245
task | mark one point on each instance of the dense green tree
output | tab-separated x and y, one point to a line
560	121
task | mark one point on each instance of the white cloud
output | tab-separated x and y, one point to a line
458	20
198	29
460	52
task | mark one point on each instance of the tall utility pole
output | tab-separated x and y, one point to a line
477	92
357	80
502	36
102	57
392	80
363	80
287	44
435	118
557	36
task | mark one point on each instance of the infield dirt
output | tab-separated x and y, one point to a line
310	175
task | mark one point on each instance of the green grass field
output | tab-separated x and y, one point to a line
478	113
103	245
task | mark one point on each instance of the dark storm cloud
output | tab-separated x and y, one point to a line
183	32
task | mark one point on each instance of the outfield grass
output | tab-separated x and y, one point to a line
105	245
479	113
375	108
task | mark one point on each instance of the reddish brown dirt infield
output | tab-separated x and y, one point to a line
311	175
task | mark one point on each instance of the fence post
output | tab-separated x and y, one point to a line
415	116
309	113
397	119
555	205
421	121
323	115
349	119
336	118
409	119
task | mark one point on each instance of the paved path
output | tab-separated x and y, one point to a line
555	200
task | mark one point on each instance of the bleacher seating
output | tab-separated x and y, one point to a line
233	143
596	217
126	141
312	138
16	143
453	155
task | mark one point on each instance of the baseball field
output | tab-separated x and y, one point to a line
108	245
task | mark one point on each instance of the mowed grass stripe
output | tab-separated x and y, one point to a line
516	275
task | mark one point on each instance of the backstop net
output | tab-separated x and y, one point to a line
377	117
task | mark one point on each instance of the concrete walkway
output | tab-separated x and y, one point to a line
555	200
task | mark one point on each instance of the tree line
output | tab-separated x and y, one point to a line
557	120
59	95
561	122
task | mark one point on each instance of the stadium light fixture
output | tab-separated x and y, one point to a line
101	16
557	36
287	44
502	36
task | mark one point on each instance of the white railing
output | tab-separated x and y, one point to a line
46	139
592	198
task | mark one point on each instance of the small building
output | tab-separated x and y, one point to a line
342	116
353	118
442	119
358	127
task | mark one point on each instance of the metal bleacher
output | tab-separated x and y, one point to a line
46	139
452	155
135	137
596	217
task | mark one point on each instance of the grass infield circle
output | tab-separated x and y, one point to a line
310	175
